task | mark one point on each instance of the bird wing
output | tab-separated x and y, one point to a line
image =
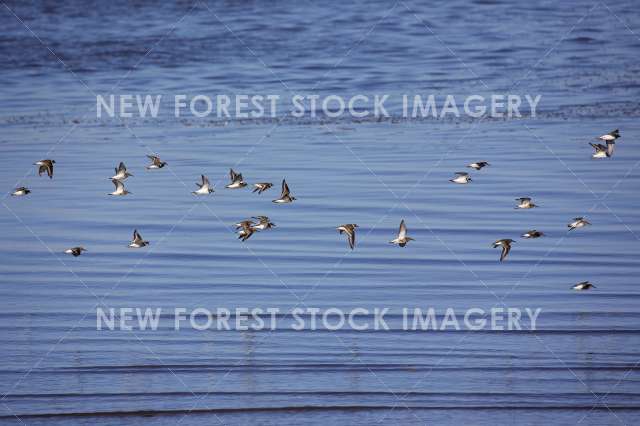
46	167
285	188
523	199
402	232
351	234
136	236
505	251
121	167
119	185
462	173
232	175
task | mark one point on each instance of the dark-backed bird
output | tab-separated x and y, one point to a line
236	180
285	196
75	251
506	247
524	203
119	188
205	188
19	192
261	187
578	222
45	166
584	285
533	234
478	165
246	231
461	178
611	136
602	151
156	162
350	230
137	240
121	172
263	223
402	238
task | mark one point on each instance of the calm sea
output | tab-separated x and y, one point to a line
579	367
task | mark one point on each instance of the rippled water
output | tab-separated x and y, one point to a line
580	366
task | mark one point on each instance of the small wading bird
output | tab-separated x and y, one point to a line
137	240
205	187
45	166
584	285
246	230
524	203
263	223
285	196
402	238
236	180
506	247
533	234
350	230
478	165
578	222
156	162
611	136
119	188
121	172
261	187
21	191
461	178
75	251
602	151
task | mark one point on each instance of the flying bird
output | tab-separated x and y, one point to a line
75	251
19	192
121	172
402	238
236	180
611	136
578	222
45	166
478	165
137	240
602	151
584	285
533	234
156	162
263	223
285	196
119	188
205	188
506	247
524	203
350	230
261	187
461	178
246	231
